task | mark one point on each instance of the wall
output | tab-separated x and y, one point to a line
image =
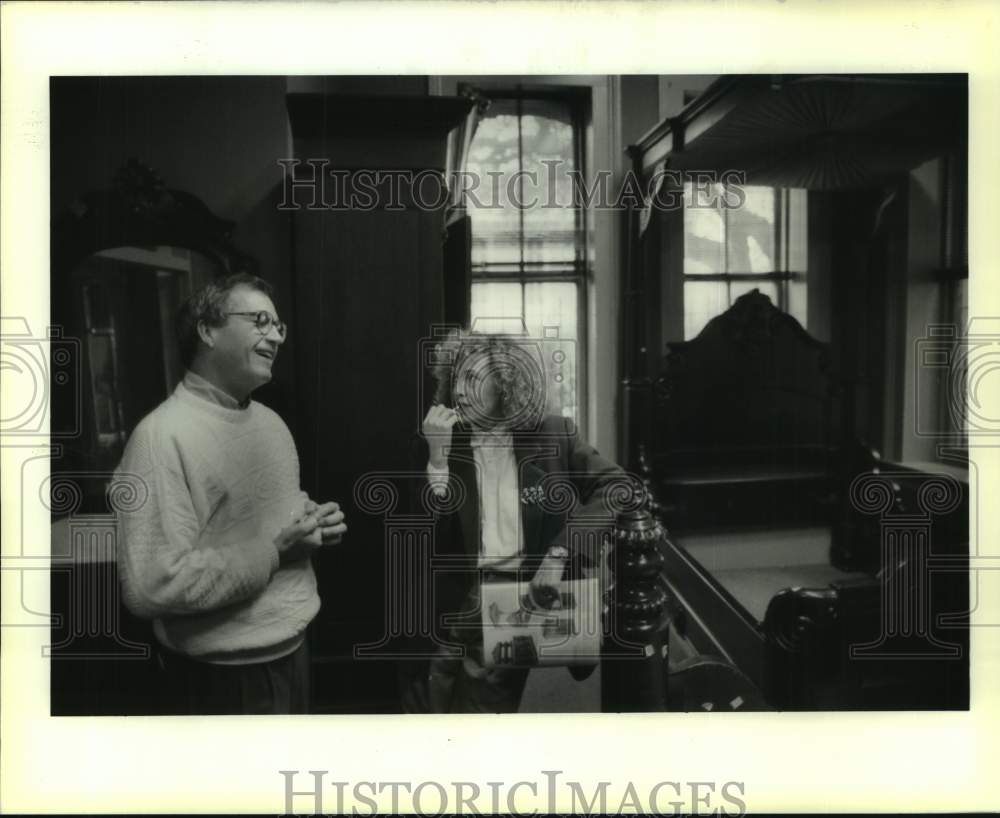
215	137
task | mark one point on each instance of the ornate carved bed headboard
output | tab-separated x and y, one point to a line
751	402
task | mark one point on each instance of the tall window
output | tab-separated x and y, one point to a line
529	240
729	251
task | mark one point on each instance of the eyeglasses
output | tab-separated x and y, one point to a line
263	321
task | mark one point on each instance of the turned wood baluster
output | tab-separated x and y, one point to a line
634	655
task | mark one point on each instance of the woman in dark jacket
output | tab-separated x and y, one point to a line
518	498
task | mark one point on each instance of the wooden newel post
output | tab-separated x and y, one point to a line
634	654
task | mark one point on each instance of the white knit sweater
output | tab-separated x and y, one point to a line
198	556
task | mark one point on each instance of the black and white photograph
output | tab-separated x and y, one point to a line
407	398
283	346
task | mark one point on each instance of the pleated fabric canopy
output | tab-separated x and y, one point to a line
830	132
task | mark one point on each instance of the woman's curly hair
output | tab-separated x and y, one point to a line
515	361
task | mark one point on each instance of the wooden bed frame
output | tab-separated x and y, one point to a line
744	426
750	427
747	442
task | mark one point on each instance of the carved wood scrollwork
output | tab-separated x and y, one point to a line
802	631
139	210
796	616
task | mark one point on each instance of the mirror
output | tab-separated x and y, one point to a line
127	299
123	260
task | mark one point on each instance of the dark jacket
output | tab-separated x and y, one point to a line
562	484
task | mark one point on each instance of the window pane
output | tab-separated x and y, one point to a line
551	315
797	305
550	226
525	152
703	300
704	238
493	159
798	224
550	309
750	240
496	307
541	142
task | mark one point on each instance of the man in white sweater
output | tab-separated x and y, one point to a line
218	553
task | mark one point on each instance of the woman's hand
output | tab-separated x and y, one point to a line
544	589
436	430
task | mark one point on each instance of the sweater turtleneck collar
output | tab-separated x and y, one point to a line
206	390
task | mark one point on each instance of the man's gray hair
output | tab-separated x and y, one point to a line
209	305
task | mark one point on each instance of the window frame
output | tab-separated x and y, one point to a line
579	271
953	271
